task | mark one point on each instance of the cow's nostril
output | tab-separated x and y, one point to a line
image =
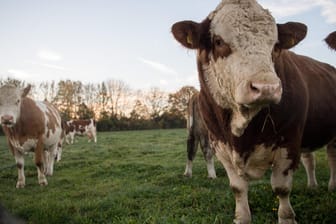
255	87
6	118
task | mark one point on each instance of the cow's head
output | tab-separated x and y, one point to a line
10	103
236	44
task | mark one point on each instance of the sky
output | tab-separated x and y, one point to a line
97	40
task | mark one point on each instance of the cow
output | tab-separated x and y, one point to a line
30	126
261	102
81	127
198	135
68	131
308	158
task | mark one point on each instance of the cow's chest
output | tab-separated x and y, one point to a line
254	167
23	145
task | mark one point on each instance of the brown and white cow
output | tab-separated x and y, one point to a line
308	157
260	101
198	135
30	126
80	127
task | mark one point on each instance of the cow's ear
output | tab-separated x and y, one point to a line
25	91
188	33
290	34
331	40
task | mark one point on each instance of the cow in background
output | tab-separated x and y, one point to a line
260	102
80	127
30	126
198	135
308	158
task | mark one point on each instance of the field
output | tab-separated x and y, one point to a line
136	177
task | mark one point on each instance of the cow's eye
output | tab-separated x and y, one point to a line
221	49
219	42
17	102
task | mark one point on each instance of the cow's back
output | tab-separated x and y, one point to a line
319	82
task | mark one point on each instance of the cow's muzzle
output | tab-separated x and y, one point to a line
260	93
7	120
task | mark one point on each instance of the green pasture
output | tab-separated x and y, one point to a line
137	177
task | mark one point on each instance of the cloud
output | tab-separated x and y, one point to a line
163	82
47	65
159	67
285	8
49	55
19	74
328	8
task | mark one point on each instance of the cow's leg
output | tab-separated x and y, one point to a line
208	156
72	137
40	160
239	186
67	141
308	161
94	134
20	165
281	181
51	160
331	152
192	144
59	152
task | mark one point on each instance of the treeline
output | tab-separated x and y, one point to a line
113	103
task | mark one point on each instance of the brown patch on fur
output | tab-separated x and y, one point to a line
52	123
220	48
30	124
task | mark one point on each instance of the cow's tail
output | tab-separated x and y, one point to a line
191	125
331	40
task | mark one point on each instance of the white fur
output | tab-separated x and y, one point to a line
240	172
211	168
279	180
308	161
188	169
251	33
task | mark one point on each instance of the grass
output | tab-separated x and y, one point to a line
136	177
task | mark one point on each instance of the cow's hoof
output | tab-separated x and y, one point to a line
236	221
287	221
189	175
212	177
20	184
43	182
49	173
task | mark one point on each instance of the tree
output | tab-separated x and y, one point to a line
84	112
68	96
118	92
178	101
103	99
156	101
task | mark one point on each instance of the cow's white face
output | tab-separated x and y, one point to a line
235	44
240	71
10	103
